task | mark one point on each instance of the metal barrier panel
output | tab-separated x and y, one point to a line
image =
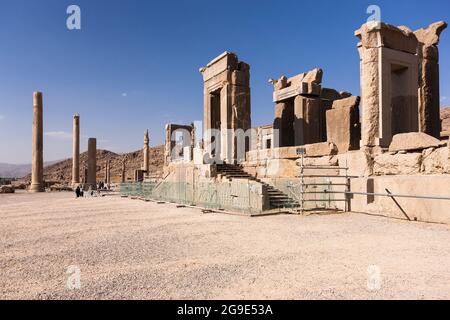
241	196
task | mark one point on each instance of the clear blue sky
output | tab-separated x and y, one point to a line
134	64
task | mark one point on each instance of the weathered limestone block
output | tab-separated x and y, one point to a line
379	34
352	101
413	141
313	76
430	35
281	168
281	153
320	149
397	164
312	150
309	123
436	160
343	127
319	161
370	97
359	163
436	211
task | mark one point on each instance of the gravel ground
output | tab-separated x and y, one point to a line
130	249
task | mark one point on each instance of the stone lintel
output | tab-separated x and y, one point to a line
304	88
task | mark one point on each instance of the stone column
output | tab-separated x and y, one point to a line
37	165
108	170
76	151
85	175
92	164
123	172
146	151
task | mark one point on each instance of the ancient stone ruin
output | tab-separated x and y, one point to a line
389	138
226	95
325	149
37	164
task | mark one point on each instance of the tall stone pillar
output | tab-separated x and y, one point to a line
76	150
429	96
37	165
124	172
92	164
146	151
108	170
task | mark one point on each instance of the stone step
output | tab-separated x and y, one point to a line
277	198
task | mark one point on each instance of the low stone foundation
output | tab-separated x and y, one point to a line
437	211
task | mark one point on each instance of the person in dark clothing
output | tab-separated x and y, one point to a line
78	191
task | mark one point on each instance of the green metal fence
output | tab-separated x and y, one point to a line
241	196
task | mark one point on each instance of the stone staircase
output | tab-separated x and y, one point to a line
277	198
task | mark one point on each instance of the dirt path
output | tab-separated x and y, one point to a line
129	249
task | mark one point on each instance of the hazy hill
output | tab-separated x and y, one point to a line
8	170
62	170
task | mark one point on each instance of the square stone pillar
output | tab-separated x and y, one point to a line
429	96
92	164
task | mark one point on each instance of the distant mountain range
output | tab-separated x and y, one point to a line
61	170
8	170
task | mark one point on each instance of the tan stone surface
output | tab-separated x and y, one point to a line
413	141
397	164
430	35
343	128
370	98
379	34
360	163
436	161
445	119
435	211
352	101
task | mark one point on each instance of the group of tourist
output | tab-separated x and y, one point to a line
80	190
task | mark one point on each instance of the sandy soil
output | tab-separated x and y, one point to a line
129	249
